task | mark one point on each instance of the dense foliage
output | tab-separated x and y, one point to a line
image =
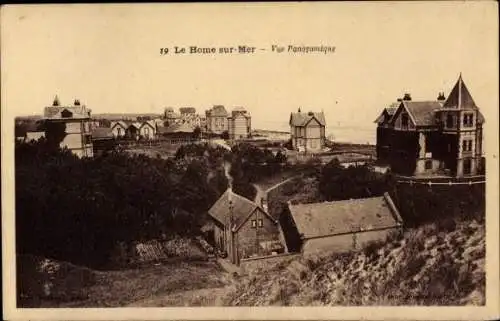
79	209
250	163
338	183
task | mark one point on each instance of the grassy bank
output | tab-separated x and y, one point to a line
428	266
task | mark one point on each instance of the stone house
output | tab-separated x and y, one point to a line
307	131
239	124
217	119
439	137
76	120
243	229
340	226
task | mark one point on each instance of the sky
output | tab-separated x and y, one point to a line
108	57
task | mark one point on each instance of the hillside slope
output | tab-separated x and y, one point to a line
431	265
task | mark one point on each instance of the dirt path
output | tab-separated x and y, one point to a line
259	195
281	183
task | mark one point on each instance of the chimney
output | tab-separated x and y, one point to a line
56	101
441	96
299	109
407	96
77	102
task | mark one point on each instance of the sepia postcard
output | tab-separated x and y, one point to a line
250	161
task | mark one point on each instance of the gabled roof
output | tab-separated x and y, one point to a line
331	218
242	209
301	119
150	123
460	97
121	123
388	111
422	112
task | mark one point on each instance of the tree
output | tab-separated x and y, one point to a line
197	132
54	133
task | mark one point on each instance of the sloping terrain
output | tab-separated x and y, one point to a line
431	265
48	283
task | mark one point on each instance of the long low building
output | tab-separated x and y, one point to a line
341	226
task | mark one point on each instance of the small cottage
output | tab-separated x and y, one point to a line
243	229
341	226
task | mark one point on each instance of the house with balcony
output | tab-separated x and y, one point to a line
435	137
75	119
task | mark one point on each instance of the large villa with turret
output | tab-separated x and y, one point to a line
435	137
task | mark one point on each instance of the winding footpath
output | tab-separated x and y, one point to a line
262	194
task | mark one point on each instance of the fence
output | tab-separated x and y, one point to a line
262	261
449	183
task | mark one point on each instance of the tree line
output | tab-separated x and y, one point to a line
79	209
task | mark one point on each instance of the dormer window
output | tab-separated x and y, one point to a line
66	114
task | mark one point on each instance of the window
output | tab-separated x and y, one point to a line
404	121
449	121
468	120
467	145
87	139
254	223
428	164
261	223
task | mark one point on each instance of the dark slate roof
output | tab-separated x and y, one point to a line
187	110
301	119
242	208
331	218
389	111
77	112
422	112
102	133
176	128
460	97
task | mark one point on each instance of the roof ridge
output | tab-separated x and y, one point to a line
242	197
339	201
